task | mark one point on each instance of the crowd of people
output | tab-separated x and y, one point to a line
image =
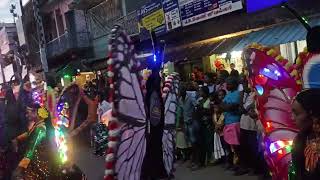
217	123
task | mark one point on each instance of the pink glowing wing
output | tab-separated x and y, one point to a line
276	88
127	127
170	95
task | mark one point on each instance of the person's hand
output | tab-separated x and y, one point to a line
253	114
82	93
18	174
14	145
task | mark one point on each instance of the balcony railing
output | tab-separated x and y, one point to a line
129	23
101	28
68	41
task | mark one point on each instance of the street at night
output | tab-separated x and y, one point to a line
159	90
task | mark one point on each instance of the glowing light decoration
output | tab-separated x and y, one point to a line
67	76
38	98
271	71
261	79
260	90
154	58
61	124
281	147
282	82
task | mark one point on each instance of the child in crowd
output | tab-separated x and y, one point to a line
218	121
181	143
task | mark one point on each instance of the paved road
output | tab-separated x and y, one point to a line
93	167
210	173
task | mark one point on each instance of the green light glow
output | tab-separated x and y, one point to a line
67	76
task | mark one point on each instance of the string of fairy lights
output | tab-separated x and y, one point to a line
62	124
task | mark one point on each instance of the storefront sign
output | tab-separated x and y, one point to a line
194	11
257	5
151	17
172	14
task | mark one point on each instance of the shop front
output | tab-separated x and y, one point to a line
287	38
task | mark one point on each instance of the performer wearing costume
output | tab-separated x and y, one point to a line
74	118
276	82
137	123
38	161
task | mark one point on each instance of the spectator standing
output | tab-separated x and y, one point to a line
206	127
187	102
307	116
233	71
210	82
221	82
218	122
231	132
181	143
248	135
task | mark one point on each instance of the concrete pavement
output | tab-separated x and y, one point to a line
209	173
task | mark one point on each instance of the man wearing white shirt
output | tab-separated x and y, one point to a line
248	134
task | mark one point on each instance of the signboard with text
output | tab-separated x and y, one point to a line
172	14
258	5
151	17
194	11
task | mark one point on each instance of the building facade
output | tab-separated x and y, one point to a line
8	45
78	30
66	32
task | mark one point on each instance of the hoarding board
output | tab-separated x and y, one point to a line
194	11
172	14
151	17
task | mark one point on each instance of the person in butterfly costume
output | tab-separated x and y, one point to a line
136	128
276	83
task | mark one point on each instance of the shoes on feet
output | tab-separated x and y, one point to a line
196	167
241	172
228	167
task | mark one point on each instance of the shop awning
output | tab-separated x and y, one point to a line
190	53
275	35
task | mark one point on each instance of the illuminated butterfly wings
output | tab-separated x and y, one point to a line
127	127
274	80
66	111
170	96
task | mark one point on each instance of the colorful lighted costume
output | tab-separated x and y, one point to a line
70	123
136	121
277	82
39	159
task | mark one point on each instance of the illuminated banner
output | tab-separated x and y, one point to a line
194	11
258	5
